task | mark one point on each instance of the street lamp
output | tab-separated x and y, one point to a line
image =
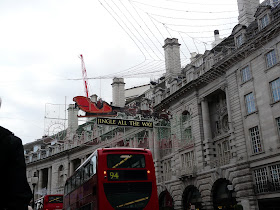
34	181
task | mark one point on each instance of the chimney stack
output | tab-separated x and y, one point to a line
247	10
72	120
217	38
118	92
193	55
172	56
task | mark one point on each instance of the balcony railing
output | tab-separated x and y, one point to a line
160	179
167	176
186	144
165	152
267	186
187	171
220	161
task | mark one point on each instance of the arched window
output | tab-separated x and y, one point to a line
186	116
166	201
192	198
223	194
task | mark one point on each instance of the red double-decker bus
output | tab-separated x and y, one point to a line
49	202
113	178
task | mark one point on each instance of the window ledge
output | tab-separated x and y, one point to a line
273	103
258	153
268	68
261	28
255	112
249	80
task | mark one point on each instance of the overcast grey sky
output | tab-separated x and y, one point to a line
41	41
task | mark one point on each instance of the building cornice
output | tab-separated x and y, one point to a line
220	67
55	156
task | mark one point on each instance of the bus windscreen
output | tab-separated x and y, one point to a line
125	161
135	195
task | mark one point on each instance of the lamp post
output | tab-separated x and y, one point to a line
34	181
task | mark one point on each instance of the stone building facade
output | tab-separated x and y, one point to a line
216	135
225	121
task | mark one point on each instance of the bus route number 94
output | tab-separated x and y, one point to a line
114	175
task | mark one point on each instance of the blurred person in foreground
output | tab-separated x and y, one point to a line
16	192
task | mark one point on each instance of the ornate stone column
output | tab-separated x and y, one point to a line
157	156
151	141
49	180
135	142
206	120
40	180
228	109
83	159
232	142
207	143
156	145
71	168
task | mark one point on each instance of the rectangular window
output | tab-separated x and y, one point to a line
275	2
264	21
250	103
239	40
167	170
271	58
275	89
278	123
188	134
246	74
223	152
255	139
275	176
187	159
164	133
261	180
187	163
267	179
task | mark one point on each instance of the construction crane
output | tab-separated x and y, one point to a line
84	74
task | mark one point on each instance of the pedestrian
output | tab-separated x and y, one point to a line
15	190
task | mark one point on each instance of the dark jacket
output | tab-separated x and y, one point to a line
15	190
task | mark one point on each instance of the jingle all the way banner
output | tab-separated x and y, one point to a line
121	122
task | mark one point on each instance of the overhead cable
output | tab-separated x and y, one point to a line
180	10
184	18
136	31
123	29
142	27
184	2
144	21
127	28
